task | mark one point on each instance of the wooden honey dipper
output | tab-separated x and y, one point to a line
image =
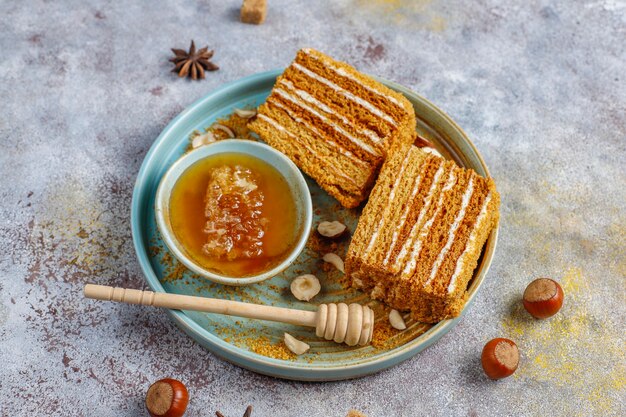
350	324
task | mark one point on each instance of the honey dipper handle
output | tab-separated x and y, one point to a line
208	305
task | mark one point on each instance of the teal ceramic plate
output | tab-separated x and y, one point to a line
255	344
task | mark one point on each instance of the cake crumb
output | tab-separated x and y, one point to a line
236	123
323	245
383	332
262	346
253	11
355	413
172	269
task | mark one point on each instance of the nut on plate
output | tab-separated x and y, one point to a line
305	287
335	260
396	320
202	139
332	229
229	132
296	346
246	113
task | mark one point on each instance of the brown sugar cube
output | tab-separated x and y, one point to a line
253	11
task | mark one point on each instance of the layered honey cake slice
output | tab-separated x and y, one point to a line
419	238
335	123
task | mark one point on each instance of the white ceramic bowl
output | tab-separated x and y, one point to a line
289	171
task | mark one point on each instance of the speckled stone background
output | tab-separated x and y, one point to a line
85	88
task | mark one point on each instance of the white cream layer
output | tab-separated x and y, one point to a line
400	226
325	108
425	207
281	128
353	158
336	128
363	103
467	195
460	263
342	72
388	208
412	263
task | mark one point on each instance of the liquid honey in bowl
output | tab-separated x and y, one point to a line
234	215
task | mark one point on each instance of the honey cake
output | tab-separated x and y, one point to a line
335	123
420	235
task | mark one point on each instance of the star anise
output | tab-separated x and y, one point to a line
193	63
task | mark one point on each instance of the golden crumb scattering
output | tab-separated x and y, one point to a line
386	337
254	339
237	124
172	269
263	346
322	245
383	332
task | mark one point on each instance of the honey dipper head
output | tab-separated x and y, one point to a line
350	324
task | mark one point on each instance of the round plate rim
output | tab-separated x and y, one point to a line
271	366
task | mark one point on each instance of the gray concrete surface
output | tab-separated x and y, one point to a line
85	88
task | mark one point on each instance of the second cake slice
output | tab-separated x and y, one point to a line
421	233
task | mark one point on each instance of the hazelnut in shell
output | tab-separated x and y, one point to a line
167	398
543	298
500	358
